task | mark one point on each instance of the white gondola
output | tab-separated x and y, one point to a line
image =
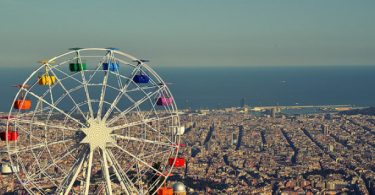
8	168
178	130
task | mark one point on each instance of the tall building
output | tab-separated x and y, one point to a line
325	129
234	138
273	112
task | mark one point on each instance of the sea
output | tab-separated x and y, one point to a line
220	87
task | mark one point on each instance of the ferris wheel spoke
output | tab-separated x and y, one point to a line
158	132
105	170
152	129
64	95
117	74
88	172
28	133
156	154
42	170
143	88
151	154
136	123
36	146
98	66
74	171
56	108
120	174
50	94
102	95
37	123
135	105
69	95
121	171
123	90
85	83
144	140
104	84
138	159
68	76
153	109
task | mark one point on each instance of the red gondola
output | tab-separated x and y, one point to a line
178	162
10	136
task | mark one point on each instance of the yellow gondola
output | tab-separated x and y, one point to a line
46	79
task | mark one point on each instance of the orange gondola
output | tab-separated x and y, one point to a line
21	103
165	191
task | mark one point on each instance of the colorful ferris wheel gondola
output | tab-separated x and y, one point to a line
21	102
165	99
46	79
79	64
112	66
179	161
8	134
141	78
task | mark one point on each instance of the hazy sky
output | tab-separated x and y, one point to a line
193	32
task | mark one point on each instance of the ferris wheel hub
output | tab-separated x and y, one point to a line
97	134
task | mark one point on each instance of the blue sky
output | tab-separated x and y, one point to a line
184	33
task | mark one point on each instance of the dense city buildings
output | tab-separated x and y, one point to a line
231	151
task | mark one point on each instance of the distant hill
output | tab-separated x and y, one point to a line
364	111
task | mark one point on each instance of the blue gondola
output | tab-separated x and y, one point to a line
141	78
112	66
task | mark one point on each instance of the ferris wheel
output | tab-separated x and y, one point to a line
93	121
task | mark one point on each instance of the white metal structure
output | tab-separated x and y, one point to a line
95	130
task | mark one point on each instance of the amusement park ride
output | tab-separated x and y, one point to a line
93	121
